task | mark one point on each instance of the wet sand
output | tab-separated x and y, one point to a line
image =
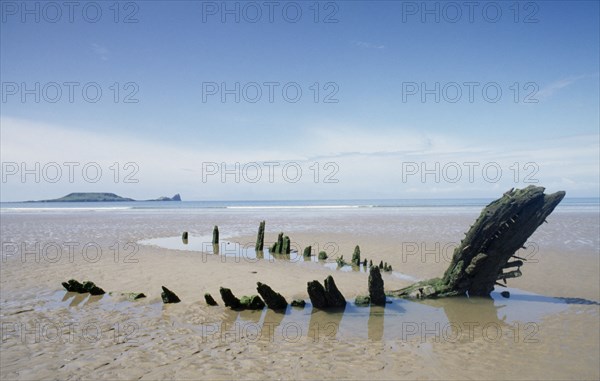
548	329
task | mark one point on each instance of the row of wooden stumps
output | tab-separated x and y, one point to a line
215	237
322	296
357	262
283	246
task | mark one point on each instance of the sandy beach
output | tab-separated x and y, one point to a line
548	329
148	148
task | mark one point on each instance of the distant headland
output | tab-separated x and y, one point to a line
102	197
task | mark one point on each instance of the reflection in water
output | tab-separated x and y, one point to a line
94	298
553	299
271	325
254	325
468	318
375	323
324	324
63	299
456	319
68	295
77	299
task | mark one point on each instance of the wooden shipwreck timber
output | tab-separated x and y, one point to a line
487	253
484	258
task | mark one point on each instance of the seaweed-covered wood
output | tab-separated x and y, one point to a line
215	239
210	300
376	293
252	302
229	299
484	256
356	256
260	238
316	293
287	246
282	246
169	296
325	297
334	297
273	299
87	286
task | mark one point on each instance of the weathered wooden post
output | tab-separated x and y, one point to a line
260	238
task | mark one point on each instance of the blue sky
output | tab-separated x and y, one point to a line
368	60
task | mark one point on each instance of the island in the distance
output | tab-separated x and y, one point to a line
102	197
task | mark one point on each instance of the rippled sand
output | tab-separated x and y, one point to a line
547	329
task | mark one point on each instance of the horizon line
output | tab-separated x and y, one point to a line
315	199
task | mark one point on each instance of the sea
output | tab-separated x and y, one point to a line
454	205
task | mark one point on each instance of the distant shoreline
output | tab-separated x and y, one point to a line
101	197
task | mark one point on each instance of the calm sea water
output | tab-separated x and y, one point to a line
447	205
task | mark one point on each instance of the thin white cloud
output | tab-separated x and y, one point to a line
368	45
552	88
368	163
340	140
101	51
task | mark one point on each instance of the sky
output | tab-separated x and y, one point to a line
299	99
